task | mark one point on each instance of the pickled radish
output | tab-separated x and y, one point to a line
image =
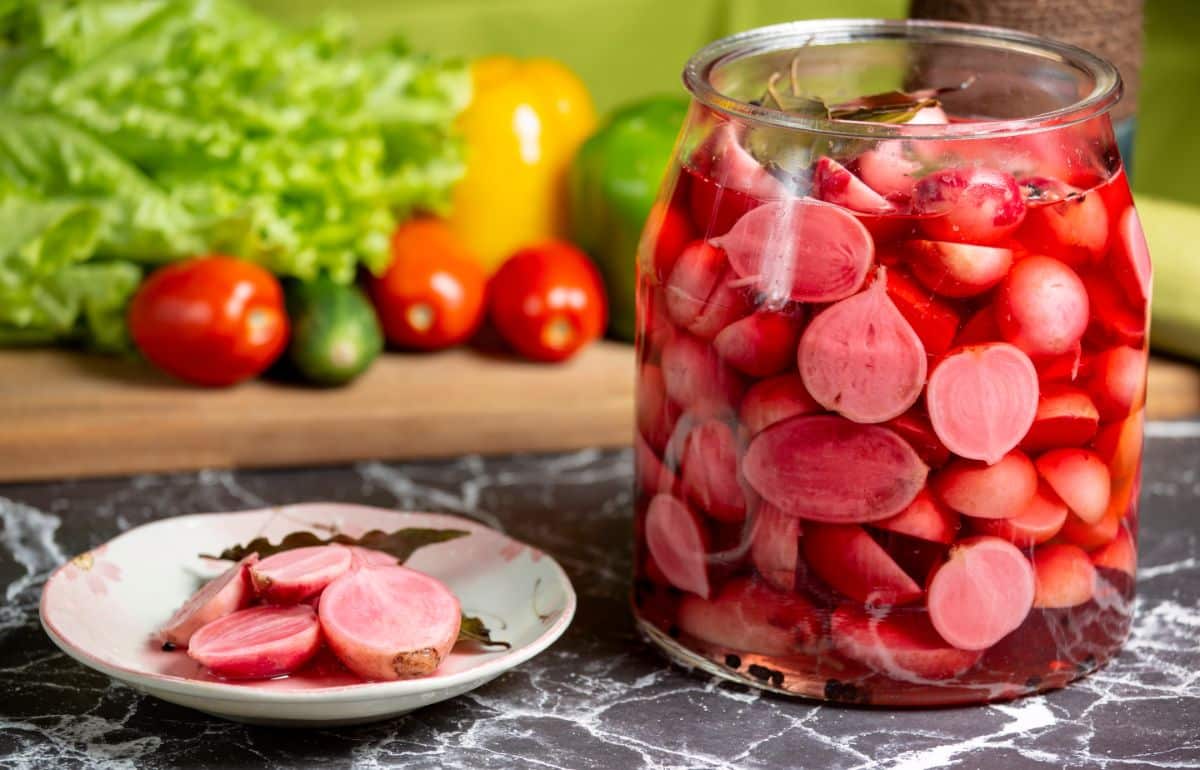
915	428
1040	520
750	617
926	517
259	642
929	116
1064	367
387	623
934	321
774	399
1042	306
760	344
1130	258
982	400
825	468
291	576
1119	444
1080	478
801	249
679	544
997	491
1064	576
900	645
981	594
223	595
887	170
1120	554
1066	417
697	379
847	558
862	359
1114	321
656	415
969	205
1118	381
672	231
692	279
958	269
1090	536
709	471
1073	229
833	183
723	159
652	475
775	547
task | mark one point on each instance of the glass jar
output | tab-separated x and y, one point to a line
891	367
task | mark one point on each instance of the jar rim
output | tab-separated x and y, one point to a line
1106	90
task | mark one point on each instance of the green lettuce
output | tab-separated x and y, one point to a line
138	132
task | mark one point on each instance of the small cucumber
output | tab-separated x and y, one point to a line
335	334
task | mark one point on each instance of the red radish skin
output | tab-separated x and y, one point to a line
1080	478
958	269
771	400
1064	575
887	170
775	547
259	642
1114	321
699	296
697	379
915	428
387	623
969	205
1064	367
709	471
761	344
1041	519
223	595
801	249
1120	554
833	183
981	594
934	320
997	491
656	415
982	400
653	476
751	618
1042	306
679	544
725	305
672	231
292	576
847	558
903	646
1118	381
1074	229
1066	417
862	359
825	468
926	517
1130	259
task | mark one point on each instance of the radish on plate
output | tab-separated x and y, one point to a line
223	595
259	642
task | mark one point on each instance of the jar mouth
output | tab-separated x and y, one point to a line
1104	93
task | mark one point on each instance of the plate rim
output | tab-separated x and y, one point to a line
360	691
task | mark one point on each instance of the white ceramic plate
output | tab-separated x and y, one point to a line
103	608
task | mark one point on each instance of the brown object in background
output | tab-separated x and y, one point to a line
1110	28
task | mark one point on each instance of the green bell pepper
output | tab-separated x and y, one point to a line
613	183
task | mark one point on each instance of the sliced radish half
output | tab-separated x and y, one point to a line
292	576
709	471
997	491
760	344
1065	576
981	594
925	518
775	547
1066	417
958	269
900	645
774	399
259	642
847	558
223	595
1080	478
747	616
833	183
1041	519
679	544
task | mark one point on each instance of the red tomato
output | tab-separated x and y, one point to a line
433	294
547	301
210	320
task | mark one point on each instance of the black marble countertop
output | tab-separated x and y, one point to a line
599	698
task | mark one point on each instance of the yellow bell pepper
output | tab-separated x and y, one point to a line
524	123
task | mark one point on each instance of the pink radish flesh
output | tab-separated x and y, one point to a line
826	468
958	269
656	415
834	184
929	116
259	642
981	594
386	623
291	576
800	249
969	205
775	547
1074	229
223	595
915	428
1080	478
1041	519
902	646
1064	574
369	557
697	379
750	617
1042	306
1065	417
709	471
887	170
653	476
925	518
862	359
1130	258
679	544
723	159
1120	554
997	491
774	399
1118	381
934	321
848	559
982	400
759	345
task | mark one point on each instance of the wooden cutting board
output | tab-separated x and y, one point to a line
70	414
